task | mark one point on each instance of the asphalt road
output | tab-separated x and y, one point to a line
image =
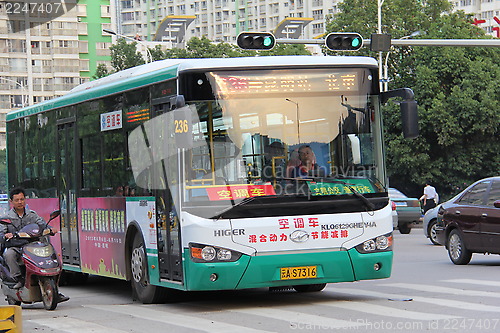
425	293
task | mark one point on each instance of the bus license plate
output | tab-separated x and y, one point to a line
291	273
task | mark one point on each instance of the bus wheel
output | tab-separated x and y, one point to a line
307	288
142	290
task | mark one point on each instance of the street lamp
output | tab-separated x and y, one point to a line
379	31
149	57
386	67
23	99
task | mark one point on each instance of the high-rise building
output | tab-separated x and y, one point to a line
222	20
44	55
48	48
486	13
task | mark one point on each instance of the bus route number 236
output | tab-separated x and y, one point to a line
182	129
181	126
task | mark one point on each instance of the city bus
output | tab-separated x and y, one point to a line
189	174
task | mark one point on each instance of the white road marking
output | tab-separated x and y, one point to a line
437	301
299	319
471	281
146	313
73	325
388	311
444	290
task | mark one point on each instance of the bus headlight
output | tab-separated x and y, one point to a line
369	245
224	255
378	244
382	242
208	253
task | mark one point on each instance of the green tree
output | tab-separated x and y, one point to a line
101	71
157	53
457	89
205	48
125	55
3	171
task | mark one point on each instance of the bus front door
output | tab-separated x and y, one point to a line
67	192
169	247
168	229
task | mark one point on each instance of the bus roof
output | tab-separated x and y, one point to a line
165	69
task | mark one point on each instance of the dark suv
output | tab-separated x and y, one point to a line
471	223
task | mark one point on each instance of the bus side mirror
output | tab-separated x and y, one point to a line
408	107
177	102
409	119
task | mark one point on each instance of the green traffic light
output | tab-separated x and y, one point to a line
355	42
268	41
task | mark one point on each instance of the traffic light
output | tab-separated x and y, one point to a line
344	41
256	40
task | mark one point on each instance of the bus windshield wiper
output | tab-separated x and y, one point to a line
241	203
358	195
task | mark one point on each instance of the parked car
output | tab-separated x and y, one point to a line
394	215
430	220
408	209
471	222
429	224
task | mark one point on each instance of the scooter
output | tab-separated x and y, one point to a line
40	267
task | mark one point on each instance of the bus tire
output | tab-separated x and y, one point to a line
141	288
308	288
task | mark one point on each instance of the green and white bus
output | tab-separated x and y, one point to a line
188	174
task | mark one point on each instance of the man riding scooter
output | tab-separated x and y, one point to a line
20	216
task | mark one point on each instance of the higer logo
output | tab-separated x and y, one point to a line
229	232
299	236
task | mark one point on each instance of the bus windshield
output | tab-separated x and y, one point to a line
271	134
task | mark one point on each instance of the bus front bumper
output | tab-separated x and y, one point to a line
264	270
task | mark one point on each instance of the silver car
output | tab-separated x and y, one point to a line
429	224
430	220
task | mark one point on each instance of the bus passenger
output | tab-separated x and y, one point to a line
119	191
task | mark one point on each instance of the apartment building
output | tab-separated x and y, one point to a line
41	59
486	14
223	20
44	53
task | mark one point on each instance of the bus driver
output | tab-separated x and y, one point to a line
307	163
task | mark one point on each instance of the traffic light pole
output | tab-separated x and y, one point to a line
409	42
397	42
